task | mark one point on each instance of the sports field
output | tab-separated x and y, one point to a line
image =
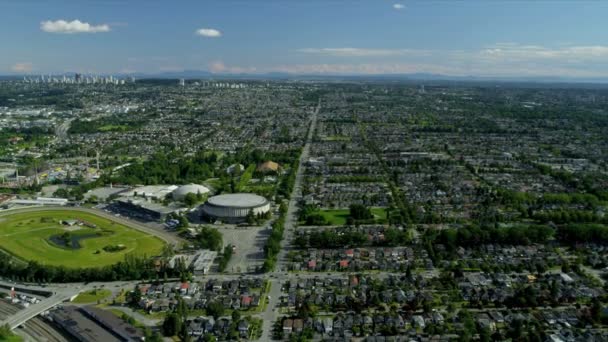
90	242
338	217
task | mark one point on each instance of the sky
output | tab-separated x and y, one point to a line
333	37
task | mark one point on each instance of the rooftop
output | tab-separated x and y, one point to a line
240	200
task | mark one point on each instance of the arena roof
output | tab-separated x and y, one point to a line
183	190
240	200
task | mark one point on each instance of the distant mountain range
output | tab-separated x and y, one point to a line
203	74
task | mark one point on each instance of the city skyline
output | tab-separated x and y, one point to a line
473	38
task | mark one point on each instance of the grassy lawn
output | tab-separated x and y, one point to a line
337	138
263	300
92	296
214	183
121	315
245	177
338	217
27	236
108	128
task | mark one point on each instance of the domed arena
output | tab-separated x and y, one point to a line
180	193
235	207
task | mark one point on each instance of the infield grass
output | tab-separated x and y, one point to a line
27	236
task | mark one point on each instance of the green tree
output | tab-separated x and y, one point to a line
360	212
236	315
134	297
190	199
171	324
215	309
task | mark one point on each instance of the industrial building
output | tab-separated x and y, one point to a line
93	324
157	192
143	209
234	207
199	262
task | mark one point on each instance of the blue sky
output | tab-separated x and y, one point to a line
479	38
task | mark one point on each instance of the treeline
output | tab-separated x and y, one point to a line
577	233
209	238
354	179
311	216
247	156
131	268
173	167
113	123
170	168
225	257
518	198
273	244
287	183
329	238
564	216
473	236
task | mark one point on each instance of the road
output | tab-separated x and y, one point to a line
36	329
271	314
34	310
61	131
164	235
296	194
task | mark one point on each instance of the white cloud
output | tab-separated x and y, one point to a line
71	27
219	67
398	7
360	52
365	69
22	67
208	32
518	52
498	60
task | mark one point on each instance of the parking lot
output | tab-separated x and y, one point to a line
249	243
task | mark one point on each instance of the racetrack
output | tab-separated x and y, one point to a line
39	235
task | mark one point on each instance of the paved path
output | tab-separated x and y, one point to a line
150	322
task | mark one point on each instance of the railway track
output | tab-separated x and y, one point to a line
36	328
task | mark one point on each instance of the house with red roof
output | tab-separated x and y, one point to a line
245	301
184	287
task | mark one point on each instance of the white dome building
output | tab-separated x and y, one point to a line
180	193
235	207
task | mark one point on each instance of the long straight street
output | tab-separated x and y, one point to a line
271	313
